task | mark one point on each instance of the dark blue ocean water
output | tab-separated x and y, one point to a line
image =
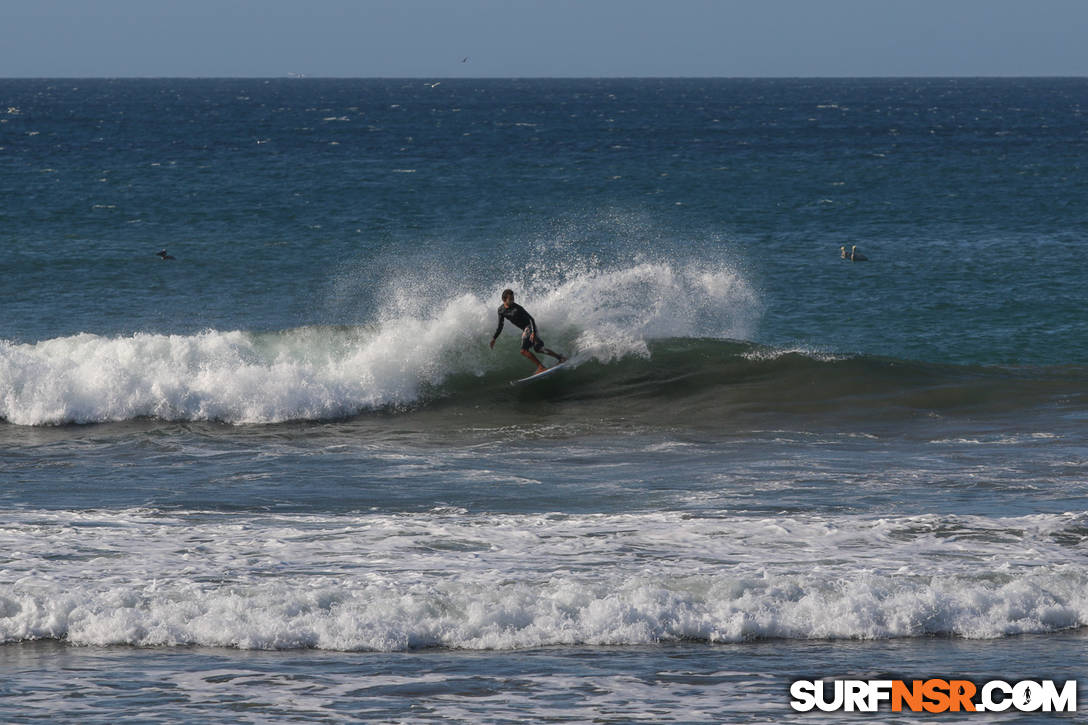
284	474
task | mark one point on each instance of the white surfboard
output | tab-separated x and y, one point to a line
538	376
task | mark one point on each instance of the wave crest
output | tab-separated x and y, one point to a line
417	341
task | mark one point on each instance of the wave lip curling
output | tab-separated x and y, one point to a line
327	372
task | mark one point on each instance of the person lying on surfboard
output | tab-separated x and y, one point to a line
530	338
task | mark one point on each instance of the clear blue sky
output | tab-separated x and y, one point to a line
527	38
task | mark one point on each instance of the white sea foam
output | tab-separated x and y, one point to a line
449	579
615	312
999	439
763	354
413	343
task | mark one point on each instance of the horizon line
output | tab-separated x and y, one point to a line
304	77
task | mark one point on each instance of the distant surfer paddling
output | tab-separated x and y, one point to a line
530	338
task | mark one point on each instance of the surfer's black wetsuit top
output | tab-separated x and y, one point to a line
517	316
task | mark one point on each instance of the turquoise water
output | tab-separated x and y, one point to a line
288	454
295	203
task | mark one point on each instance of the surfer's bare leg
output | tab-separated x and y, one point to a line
539	366
554	354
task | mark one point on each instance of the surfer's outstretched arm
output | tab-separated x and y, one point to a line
497	330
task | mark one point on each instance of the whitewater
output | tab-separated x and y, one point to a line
448	578
417	341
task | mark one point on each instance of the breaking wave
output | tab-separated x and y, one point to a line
648	341
448	579
407	352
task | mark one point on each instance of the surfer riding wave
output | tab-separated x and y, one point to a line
530	338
